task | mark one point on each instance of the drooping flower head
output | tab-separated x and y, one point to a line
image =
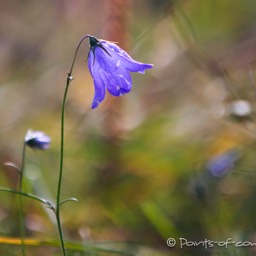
110	67
37	140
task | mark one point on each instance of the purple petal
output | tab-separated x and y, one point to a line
109	66
136	65
99	92
98	80
116	49
37	140
118	83
118	57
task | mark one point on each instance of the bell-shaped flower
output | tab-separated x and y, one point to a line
37	140
110	67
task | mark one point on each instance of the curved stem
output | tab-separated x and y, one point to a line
58	203
21	207
39	199
77	48
69	200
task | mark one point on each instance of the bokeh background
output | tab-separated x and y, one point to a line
173	158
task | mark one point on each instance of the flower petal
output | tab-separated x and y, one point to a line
110	67
117	49
121	58
111	60
118	83
99	84
37	140
116	78
99	93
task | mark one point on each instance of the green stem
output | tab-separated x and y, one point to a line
39	199
57	213
58	203
21	207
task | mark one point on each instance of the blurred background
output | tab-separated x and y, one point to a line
173	158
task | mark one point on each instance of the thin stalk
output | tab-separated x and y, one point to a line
57	213
73	62
39	199
58	194
21	207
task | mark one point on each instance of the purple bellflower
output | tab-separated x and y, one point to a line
110	67
37	140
